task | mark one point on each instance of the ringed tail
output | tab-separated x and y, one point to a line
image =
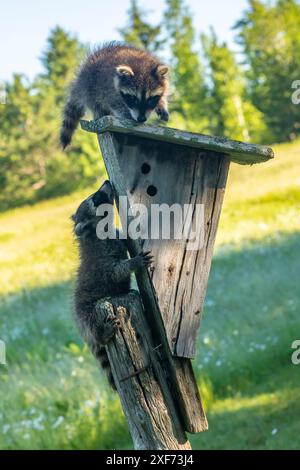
71	115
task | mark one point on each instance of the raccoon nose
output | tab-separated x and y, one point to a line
142	119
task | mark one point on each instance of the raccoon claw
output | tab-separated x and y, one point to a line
146	258
110	328
162	114
113	320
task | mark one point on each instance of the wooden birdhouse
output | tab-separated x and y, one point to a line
163	166
167	166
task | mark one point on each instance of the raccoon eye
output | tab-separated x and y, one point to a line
152	101
130	100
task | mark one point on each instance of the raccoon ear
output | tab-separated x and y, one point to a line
79	228
161	70
124	70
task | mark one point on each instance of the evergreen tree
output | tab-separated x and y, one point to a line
139	32
60	59
80	165
19	168
231	114
189	90
270	37
32	165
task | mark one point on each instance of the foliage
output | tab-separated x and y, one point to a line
60	59
139	32
32	165
189	89
210	93
51	394
270	40
231	113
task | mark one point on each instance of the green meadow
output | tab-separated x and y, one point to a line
52	395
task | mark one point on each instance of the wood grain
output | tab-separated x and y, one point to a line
181	176
139	378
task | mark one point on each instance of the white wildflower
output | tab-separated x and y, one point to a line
89	403
5	428
58	422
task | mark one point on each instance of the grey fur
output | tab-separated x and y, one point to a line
107	77
104	271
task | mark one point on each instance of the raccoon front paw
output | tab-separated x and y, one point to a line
163	114
109	329
145	259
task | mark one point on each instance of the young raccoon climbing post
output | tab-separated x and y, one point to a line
119	80
104	271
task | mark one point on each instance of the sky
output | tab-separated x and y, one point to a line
25	25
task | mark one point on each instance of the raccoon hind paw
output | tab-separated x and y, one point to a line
109	329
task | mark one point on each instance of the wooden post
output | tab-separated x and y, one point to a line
140	379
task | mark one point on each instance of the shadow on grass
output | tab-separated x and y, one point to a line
251	315
266	421
37	322
52	395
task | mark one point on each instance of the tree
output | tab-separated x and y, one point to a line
80	165
231	113
60	59
139	32
189	97
33	166
17	162
270	38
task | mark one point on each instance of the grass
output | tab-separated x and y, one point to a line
52	395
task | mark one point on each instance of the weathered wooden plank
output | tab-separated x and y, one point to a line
139	378
195	265
180	275
178	373
239	152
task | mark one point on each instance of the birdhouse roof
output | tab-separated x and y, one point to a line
239	152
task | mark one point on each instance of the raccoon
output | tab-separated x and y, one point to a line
104	271
119	80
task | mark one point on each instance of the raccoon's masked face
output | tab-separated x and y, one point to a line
85	218
141	96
